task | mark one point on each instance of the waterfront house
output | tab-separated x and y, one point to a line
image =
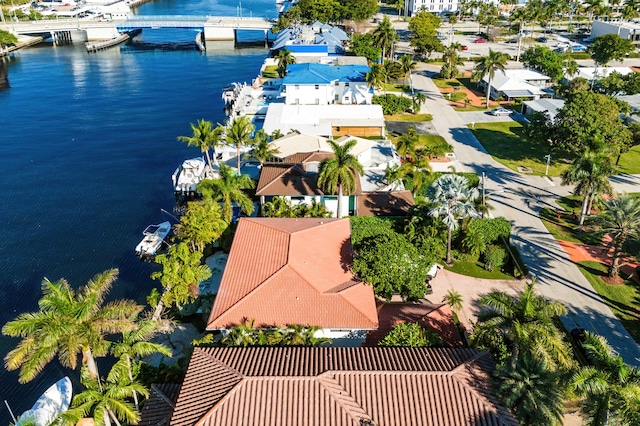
316	39
324	84
293	174
326	120
550	107
512	84
317	386
283	272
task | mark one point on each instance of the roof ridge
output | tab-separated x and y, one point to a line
343	398
278	176
356	307
161	394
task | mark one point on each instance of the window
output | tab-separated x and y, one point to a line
317	87
297	198
337	83
337	97
346	85
297	86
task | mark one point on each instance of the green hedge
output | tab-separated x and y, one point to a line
392	104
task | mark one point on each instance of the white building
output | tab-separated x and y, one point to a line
628	30
518	84
435	6
600	72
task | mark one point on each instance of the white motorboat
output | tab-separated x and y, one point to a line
154	236
189	174
52	403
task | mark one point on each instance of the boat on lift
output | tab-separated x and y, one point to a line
154	236
53	402
189	174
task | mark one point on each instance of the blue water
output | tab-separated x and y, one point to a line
87	148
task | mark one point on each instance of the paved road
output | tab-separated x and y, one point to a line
520	201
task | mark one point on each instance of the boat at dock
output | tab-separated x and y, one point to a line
53	402
189	174
154	236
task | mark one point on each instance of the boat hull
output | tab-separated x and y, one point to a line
52	402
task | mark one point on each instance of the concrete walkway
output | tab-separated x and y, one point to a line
520	200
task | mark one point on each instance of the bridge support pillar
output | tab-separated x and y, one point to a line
216	33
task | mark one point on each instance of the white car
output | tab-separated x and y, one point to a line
501	111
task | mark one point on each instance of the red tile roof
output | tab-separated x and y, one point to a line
277	386
385	203
158	408
293	271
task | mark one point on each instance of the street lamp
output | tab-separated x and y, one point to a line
548	157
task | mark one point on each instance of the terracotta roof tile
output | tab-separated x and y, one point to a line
340	386
293	271
384	203
158	408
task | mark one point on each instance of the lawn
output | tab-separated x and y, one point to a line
470	108
565	227
476	269
508	145
409	118
630	161
442	83
623	299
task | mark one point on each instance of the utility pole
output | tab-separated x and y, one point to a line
548	157
483	189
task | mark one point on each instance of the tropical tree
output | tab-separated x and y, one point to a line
393	175
180	276
285	57
631	9
6	38
69	323
452	59
338	173
228	189
262	151
524	323
590	173
487	66
407	64
610	388
136	344
531	391
418	99
621	220
377	77
239	134
278	207
202	224
106	401
453	299
204	137
454	201
385	37
406	143
411	335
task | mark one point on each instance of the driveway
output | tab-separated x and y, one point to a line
485	117
520	201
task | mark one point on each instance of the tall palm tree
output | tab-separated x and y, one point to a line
262	151
610	388
407	64
452	59
418	99
385	37
590	173
406	143
393	175
377	77
69	324
525	323
239	134
631	9
621	220
182	272
107	401
204	137
531	391
228	189
454	201
136	344
338	173
285	58
487	66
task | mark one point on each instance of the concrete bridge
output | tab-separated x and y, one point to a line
81	30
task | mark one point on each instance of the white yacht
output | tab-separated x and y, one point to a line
189	174
52	402
154	236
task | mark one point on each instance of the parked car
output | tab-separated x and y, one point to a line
501	111
480	40
512	41
542	39
578	48
463	47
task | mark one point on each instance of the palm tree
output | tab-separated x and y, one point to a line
204	137
407	64
418	99
525	323
377	77
278	207
239	134
69	323
393	175
228	190
136	344
182	272
285	57
631	9
454	201
385	37
621	220
262	151
453	299
451	59
406	143
201	224
338	173
590	173
487	66
610	388
531	391
106	401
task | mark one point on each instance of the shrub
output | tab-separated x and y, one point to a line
368	226
490	230
411	335
495	257
392	104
